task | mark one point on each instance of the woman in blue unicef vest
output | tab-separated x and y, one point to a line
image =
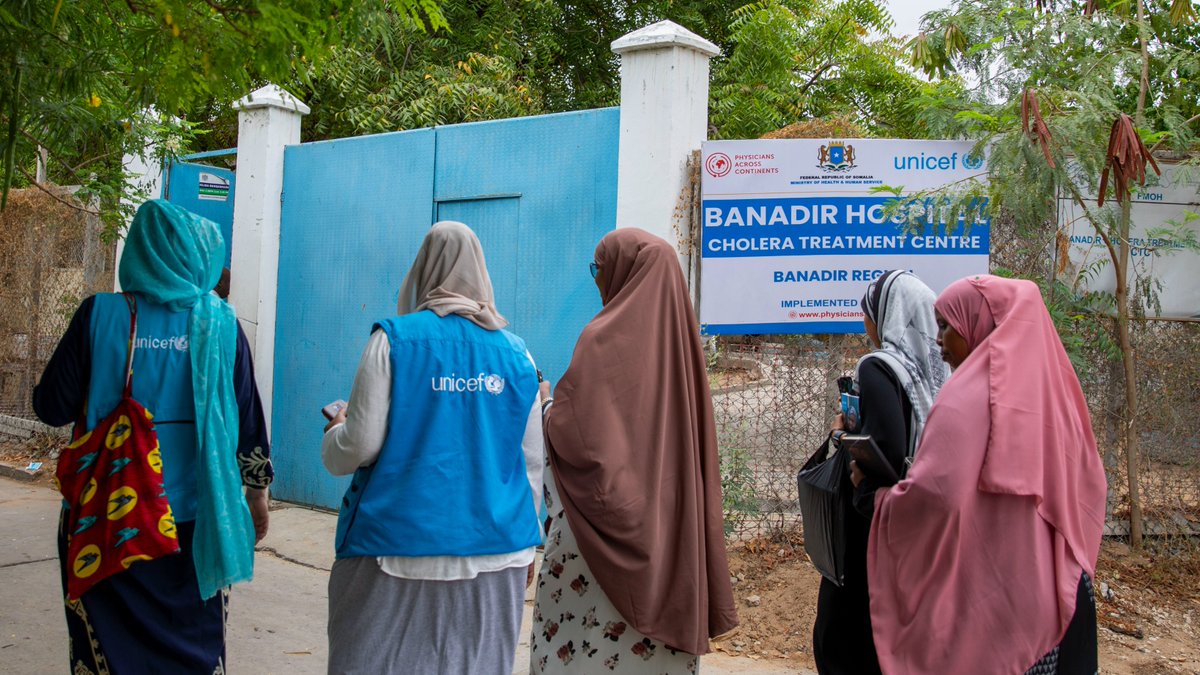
193	372
436	535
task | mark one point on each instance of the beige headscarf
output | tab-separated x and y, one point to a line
633	446
449	276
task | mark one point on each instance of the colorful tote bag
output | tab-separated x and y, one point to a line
111	478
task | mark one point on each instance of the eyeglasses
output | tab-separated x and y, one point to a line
594	268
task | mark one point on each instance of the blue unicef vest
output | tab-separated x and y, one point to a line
162	382
450	479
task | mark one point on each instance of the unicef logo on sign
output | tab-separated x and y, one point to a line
973	161
718	164
494	384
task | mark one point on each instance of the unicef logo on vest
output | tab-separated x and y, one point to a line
177	343
453	384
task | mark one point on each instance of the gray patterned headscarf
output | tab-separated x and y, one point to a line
901	306
449	276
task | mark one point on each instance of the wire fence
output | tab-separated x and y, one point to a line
51	257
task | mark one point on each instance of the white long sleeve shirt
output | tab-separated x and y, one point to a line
357	443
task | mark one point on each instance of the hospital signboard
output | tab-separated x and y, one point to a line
794	230
1164	229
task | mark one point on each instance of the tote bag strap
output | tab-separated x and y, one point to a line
132	302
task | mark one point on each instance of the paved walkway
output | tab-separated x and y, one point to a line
277	621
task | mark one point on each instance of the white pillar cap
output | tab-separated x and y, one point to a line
662	35
271	96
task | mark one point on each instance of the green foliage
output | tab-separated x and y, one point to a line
1085	70
792	61
582	72
738	498
503	58
75	75
395	76
786	61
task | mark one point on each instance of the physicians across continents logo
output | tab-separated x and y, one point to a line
718	165
837	156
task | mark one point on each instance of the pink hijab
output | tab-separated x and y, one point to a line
974	560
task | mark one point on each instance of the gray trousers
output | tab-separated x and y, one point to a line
384	624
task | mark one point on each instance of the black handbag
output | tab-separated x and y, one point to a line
820	484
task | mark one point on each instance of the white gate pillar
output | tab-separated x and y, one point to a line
268	121
664	117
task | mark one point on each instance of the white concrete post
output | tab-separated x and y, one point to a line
268	121
145	171
664	117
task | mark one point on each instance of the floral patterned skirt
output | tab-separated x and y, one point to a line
576	629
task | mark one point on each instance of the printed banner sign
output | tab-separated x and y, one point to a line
213	188
1163	218
792	233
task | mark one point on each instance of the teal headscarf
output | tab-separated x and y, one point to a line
173	257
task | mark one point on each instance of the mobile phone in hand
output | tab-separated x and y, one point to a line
331	411
845	385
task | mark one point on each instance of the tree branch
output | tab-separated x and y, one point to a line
1112	251
817	75
75	169
60	200
1144	84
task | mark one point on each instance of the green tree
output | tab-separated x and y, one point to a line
1067	101
76	75
394	75
793	61
502	58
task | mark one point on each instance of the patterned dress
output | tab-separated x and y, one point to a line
576	629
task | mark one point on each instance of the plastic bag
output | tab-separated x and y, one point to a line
820	484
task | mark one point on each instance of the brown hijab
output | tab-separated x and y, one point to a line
633	447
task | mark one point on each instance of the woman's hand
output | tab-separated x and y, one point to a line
543	390
839	423
257	500
856	474
529	575
339	418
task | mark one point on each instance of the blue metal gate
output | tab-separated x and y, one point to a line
204	190
539	191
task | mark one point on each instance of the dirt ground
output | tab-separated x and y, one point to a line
730	377
1149	621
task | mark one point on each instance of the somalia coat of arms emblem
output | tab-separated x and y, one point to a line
836	156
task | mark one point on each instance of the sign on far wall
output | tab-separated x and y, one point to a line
792	233
1160	214
213	187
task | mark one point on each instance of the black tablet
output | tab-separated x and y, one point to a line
870	458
